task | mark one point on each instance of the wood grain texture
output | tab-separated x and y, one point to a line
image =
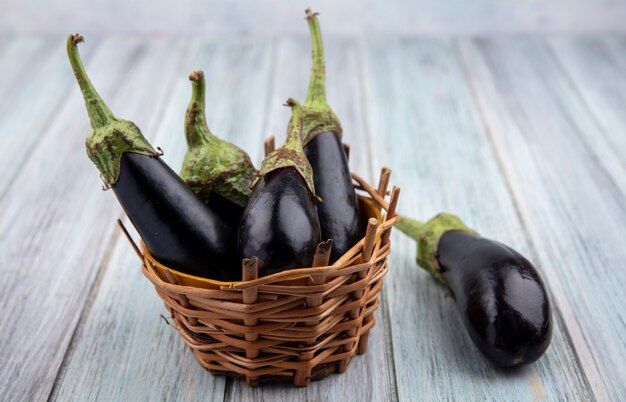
521	137
424	123
569	191
369	377
50	251
35	81
597	67
141	358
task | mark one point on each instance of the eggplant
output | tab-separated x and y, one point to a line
280	225
178	229
321	136
499	293
219	172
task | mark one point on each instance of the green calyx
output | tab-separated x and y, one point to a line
291	154
111	137
317	116
212	165
427	235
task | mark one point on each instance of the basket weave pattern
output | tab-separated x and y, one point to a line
297	325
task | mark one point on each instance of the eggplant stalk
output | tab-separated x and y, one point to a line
291	153
111	137
212	166
427	235
317	116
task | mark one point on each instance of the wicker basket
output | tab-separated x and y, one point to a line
297	325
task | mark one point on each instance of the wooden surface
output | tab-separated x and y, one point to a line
281	17
524	137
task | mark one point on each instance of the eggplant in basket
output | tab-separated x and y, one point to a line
178	229
280	224
321	137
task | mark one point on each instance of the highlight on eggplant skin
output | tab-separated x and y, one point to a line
321	136
178	229
280	224
499	293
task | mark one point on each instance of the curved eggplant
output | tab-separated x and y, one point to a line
178	229
219	172
499	293
321	136
280	225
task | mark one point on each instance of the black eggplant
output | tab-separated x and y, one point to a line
321	136
219	172
280	225
178	229
499	293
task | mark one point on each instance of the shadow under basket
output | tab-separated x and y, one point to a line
294	326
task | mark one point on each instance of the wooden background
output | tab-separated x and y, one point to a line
280	17
523	136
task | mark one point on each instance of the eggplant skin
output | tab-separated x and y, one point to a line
338	213
280	224
228	211
178	228
501	296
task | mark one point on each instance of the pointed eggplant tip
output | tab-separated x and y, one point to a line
196	76
310	14
75	39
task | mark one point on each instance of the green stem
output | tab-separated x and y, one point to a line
197	86
99	114
317	84
293	140
410	227
196	129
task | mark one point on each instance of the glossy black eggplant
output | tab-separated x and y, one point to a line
178	229
499	293
280	225
321	136
219	172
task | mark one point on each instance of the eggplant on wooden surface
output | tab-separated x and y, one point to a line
280	225
321	137
219	172
499	293
178	229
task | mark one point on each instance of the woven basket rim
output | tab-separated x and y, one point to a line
296	273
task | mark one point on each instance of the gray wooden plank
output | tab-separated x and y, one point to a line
55	223
615	44
369	377
425	126
35	84
21	52
569	190
599	76
141	358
